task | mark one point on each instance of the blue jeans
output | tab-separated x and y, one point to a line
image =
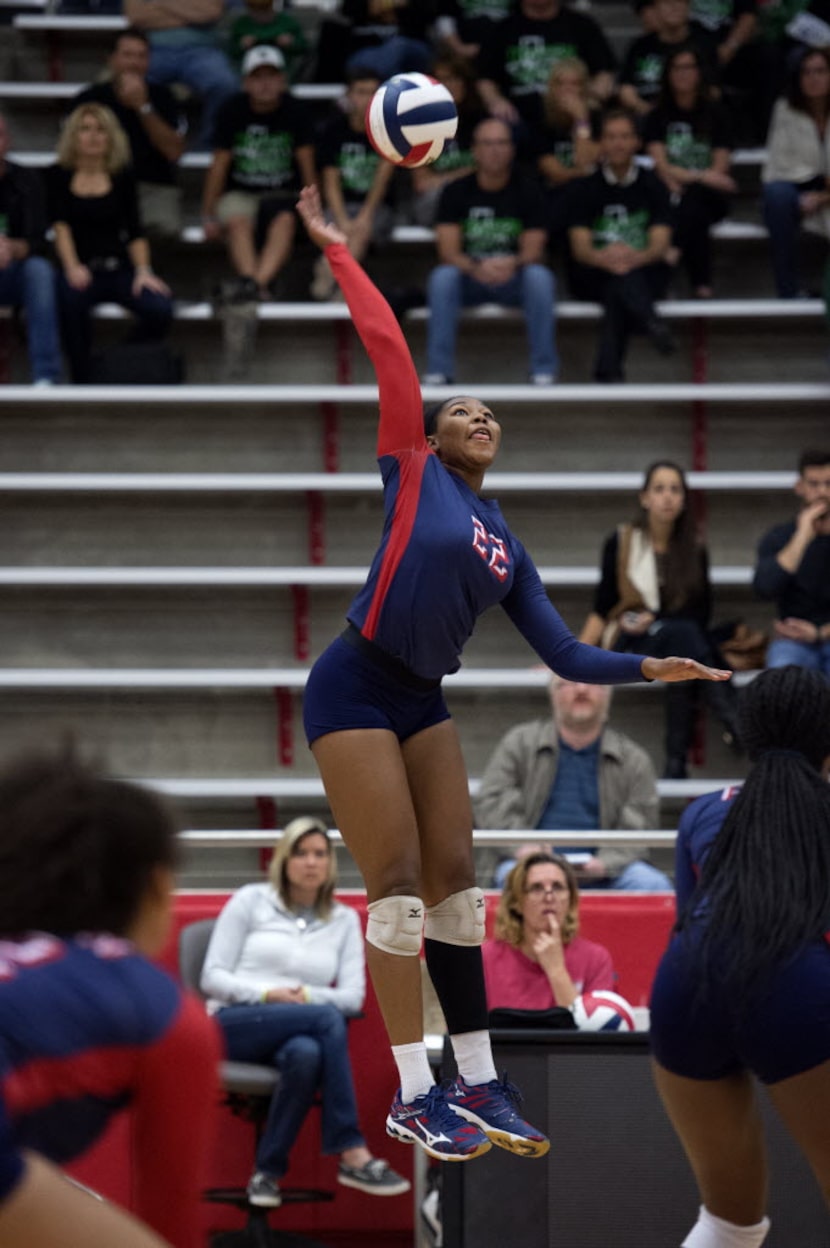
30	284
397	55
782	217
812	654
308	1045
642	877
532	288
206	70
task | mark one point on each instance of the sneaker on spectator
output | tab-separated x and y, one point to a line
377	1178
543	379
263	1191
493	1107
429	1121
436	379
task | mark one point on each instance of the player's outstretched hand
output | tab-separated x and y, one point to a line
681	669
320	231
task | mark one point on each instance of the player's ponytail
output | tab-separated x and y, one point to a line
763	891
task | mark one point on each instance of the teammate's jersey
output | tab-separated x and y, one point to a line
88	1027
700	823
446	554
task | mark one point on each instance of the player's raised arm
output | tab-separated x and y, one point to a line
401	408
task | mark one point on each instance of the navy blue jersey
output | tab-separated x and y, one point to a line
446	554
88	1027
700	823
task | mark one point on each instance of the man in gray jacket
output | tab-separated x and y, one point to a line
573	772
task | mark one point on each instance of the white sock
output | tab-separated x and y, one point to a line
474	1056
712	1232
414	1069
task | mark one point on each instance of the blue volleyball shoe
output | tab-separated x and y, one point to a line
493	1108
429	1121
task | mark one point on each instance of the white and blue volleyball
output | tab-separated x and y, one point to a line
603	1011
410	118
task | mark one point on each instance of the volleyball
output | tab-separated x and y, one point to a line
603	1011
409	119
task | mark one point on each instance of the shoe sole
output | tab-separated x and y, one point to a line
380	1189
259	1203
405	1136
517	1144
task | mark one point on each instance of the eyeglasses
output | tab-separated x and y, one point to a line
537	891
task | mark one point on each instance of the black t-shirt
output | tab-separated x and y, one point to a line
644	60
149	164
719	16
690	136
492	221
22	206
558	141
519	53
615	213
474	18
350	152
101	225
262	145
458	151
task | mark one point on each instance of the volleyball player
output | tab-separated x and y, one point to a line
382	736
744	987
88	1025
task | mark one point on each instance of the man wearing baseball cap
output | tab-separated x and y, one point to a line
263	152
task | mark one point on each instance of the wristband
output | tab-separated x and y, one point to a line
582	130
145	109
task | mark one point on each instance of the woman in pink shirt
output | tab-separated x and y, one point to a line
538	959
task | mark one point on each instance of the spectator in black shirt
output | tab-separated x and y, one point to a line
517	57
456	160
490	236
263	136
748	63
619	234
566	138
688	137
152	121
642	69
793	570
27	279
355	179
104	255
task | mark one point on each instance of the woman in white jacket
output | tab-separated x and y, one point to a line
283	971
796	188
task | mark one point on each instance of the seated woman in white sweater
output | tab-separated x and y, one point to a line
284	970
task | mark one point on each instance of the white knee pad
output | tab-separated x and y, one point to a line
396	925
712	1232
458	919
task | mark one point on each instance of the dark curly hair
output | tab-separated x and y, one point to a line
77	848
764	882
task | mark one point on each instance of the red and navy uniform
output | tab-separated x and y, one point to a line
88	1027
446	554
700	823
783	1031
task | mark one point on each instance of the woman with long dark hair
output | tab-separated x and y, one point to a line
382	736
796	176
744	987
654	597
688	137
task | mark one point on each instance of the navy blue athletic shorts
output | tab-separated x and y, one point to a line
355	684
784	1031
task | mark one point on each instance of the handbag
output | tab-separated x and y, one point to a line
137	364
745	649
557	1018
